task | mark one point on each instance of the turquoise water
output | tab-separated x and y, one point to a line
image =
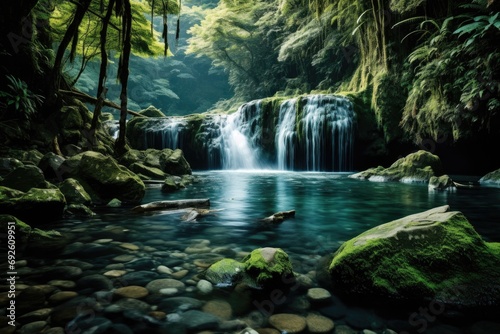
330	209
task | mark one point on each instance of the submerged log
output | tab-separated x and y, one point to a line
194	213
279	217
173	205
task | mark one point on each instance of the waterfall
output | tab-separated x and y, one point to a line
239	138
311	133
317	138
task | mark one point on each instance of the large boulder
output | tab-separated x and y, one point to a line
415	167
103	178
174	163
74	192
435	255
24	178
32	240
159	162
492	178
36	206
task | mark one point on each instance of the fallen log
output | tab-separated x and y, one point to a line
173	205
278	217
193	214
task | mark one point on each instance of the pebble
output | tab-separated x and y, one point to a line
174	304
180	274
37	315
133	304
163	283
141	278
164	270
33	327
219	308
115	273
169	291
343	329
103	241
63	284
124	258
132	291
129	246
95	282
179	255
204	287
318	324
196	321
291	323
61	296
318	295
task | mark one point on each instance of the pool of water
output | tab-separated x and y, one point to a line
330	209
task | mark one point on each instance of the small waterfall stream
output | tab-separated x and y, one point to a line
318	136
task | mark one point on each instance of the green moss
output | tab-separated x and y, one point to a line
225	272
262	268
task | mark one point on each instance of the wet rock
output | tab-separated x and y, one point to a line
317	324
141	264
225	272
33	327
492	178
197	320
61	296
219	308
443	182
204	287
133	304
140	278
291	323
164	283
175	304
95	282
132	291
24	178
37	315
319	295
74	192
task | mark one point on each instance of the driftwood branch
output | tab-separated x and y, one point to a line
192	214
93	100
173	205
279	217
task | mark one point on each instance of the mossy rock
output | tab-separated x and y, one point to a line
268	266
7	165
415	167
36	206
74	192
152	111
173	162
492	178
433	255
24	178
225	272
109	179
32	156
443	182
149	172
33	240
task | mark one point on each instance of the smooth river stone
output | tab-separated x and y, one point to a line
219	308
129	246
164	270
164	283
61	296
291	323
124	258
318	324
37	315
132	291
180	274
318	295
115	273
63	284
204	287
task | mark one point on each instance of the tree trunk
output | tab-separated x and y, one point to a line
123	75
103	69
81	9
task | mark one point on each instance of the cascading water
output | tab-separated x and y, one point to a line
312	133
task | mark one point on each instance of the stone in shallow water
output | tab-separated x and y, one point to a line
180	274
164	270
318	295
63	284
175	304
291	323
37	315
204	287
33	327
129	246
61	296
197	320
133	304
169	291
124	258
219	308
132	291
95	282
317	324
139	277
164	283
115	273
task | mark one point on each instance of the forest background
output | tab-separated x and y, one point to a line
423	73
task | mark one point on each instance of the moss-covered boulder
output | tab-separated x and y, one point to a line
36	206
30	156
492	178
7	165
268	266
225	272
33	240
147	171
50	165
443	182
415	167
435	255
104	179
24	178
74	192
152	111
174	163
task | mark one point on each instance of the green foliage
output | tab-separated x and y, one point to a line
18	101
